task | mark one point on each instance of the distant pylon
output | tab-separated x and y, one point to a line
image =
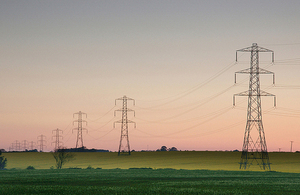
31	145
16	146
11	148
79	142
25	145
58	143
254	146
124	147
41	141
292	146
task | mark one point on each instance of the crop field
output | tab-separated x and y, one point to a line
190	160
149	173
146	181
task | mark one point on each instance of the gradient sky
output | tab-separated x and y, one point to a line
175	58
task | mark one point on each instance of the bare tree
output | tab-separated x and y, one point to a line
62	156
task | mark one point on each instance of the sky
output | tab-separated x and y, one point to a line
176	59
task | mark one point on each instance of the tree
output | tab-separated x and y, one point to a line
61	157
163	148
173	149
3	161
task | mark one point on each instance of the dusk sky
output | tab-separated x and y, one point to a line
175	58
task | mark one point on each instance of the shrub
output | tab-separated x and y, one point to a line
3	161
30	168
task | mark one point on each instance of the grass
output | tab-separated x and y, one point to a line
146	181
192	160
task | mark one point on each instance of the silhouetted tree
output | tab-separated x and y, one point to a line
173	149
3	161
62	156
163	148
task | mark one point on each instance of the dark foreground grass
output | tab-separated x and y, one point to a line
146	181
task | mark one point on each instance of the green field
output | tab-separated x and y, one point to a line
146	181
149	173
192	160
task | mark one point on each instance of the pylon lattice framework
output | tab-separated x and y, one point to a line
254	148
41	141
25	145
57	136
79	141
16	146
124	147
31	145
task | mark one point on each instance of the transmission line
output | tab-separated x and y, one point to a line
189	91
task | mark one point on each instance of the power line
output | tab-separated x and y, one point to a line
102	126
189	91
102	115
221	112
99	138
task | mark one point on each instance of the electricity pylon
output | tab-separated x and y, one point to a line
31	145
25	145
124	147
41	141
58	144
16	146
254	146
79	142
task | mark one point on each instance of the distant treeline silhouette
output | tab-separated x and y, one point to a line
82	149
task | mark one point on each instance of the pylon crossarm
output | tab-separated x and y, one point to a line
260	71
263	93
116	111
245	93
85	129
263	71
254	48
239	94
120	121
129	121
130	110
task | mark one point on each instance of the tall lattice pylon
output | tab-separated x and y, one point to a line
79	142
41	141
58	137
31	145
25	145
254	145
124	147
